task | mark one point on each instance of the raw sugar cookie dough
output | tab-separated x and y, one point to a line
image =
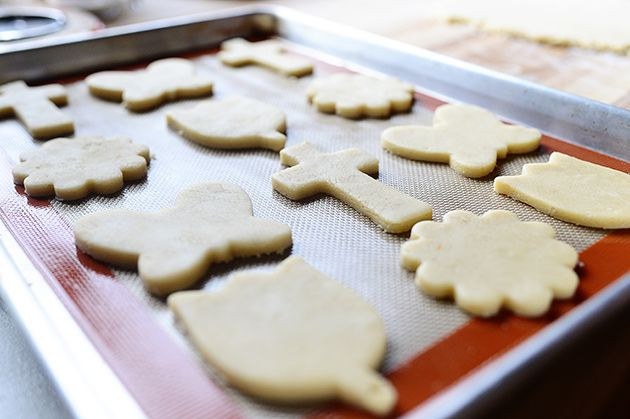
601	25
467	137
572	190
235	122
290	336
173	248
491	261
357	95
162	81
72	168
345	175
239	52
36	108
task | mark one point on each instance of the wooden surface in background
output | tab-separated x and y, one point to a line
597	75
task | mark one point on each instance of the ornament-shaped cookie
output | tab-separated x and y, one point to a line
490	262
36	108
467	137
572	190
235	122
162	81
173	248
356	95
238	52
345	175
292	335
72	168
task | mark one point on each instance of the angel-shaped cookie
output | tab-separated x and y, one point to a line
173	248
162	81
231	123
291	335
467	137
72	168
238	52
491	261
36	108
572	190
357	95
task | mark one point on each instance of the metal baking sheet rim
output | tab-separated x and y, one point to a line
22	286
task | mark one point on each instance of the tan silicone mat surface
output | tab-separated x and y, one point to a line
328	234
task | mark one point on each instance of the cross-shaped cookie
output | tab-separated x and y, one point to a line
238	52
141	90
173	248
343	175
467	137
36	108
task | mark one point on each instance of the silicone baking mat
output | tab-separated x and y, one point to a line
431	343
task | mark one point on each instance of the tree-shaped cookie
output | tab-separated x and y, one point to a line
572	190
238	52
72	168
37	108
173	248
356	95
291	335
345	175
235	122
140	90
467	137
491	261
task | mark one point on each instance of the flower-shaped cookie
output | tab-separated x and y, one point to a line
467	137
356	95
231	123
491	261
572	190
72	168
162	81
173	248
291	335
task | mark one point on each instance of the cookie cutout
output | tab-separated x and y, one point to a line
467	137
491	261
73	168
36	108
173	248
162	81
314	338
239	52
572	190
343	175
356	95
235	122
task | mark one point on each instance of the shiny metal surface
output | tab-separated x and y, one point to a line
27	22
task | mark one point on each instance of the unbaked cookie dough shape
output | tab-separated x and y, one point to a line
36	108
234	122
572	190
173	248
140	90
491	261
239	52
345	175
290	336
72	168
356	95
467	137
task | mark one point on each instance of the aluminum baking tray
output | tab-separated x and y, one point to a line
113	349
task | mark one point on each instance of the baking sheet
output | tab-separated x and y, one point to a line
327	233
